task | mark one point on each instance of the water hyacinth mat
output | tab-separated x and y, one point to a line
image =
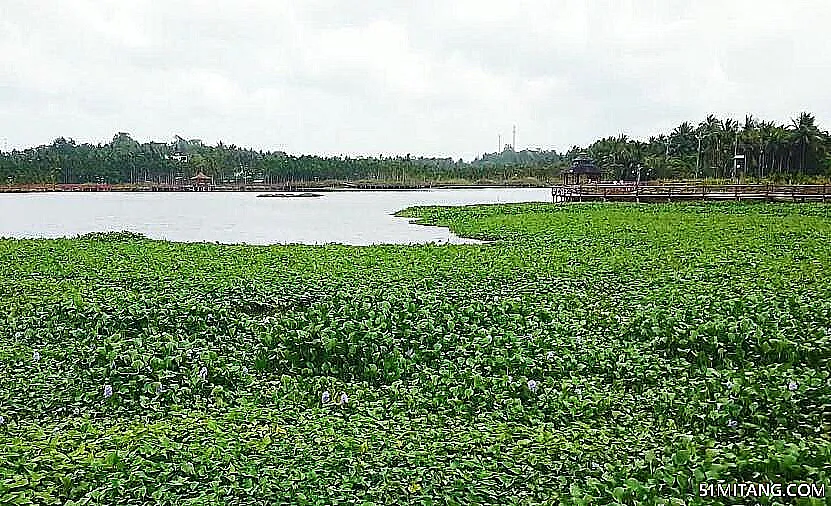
587	354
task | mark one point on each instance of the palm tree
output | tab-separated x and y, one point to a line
780	140
729	135
635	152
683	139
749	138
710	130
806	135
699	136
766	129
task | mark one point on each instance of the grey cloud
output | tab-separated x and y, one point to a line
427	77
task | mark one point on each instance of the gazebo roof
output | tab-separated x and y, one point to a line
582	165
201	177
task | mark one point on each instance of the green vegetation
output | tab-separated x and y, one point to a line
125	160
591	354
798	152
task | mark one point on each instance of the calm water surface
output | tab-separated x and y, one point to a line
355	217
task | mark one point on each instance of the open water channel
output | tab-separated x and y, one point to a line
346	217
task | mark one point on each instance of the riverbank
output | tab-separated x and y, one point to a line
307	186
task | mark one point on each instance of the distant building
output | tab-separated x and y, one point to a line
581	167
201	181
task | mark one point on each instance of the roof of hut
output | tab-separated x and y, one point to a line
582	165
201	177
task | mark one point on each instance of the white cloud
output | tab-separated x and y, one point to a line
426	77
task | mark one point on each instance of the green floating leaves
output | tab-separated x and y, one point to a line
588	354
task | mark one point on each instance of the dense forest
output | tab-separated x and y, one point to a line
793	152
796	151
126	160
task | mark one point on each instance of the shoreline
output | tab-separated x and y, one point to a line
253	188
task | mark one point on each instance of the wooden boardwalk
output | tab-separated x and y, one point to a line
672	192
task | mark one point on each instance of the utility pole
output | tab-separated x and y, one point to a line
500	143
638	186
513	145
698	157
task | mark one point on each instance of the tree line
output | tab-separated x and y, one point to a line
124	160
720	149
766	150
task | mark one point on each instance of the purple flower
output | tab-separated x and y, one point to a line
36	356
732	424
326	397
2	420
344	399
532	385
792	386
550	355
108	391
203	373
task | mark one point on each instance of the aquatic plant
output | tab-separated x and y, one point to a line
590	354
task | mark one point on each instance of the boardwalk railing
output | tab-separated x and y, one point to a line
668	192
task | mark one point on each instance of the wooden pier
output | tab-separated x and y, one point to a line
673	192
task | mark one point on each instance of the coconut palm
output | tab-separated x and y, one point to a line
806	135
750	142
766	133
710	130
683	139
780	140
729	137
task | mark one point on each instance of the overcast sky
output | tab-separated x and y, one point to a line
385	76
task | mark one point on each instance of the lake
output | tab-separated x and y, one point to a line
346	217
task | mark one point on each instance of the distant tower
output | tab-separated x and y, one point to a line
500	143
514	142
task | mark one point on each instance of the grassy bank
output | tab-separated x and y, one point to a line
592	354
